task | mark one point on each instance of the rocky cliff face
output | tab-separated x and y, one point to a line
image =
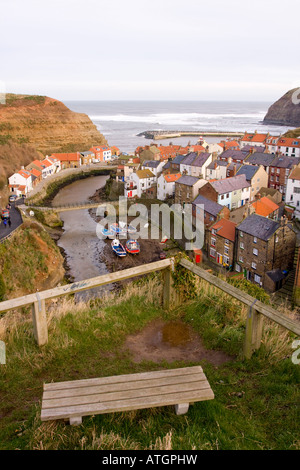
285	111
46	124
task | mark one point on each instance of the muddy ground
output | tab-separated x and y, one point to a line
171	341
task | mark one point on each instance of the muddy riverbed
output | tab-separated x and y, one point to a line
87	255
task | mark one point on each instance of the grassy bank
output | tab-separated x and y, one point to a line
255	405
29	261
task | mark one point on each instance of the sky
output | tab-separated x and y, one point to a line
150	49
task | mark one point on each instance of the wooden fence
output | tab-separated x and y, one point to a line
256	309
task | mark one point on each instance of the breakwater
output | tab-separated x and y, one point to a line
157	135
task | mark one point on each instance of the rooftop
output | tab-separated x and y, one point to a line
210	207
230	184
225	228
258	226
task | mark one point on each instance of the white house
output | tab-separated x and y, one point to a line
56	165
20	182
292	196
289	146
139	182
195	164
166	185
216	170
155	166
232	192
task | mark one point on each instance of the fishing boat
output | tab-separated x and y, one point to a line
107	233
132	247
118	248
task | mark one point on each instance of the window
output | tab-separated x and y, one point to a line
212	253
226	242
254	240
237	268
213	231
241	234
241	260
255	251
257	278
213	242
226	250
241	245
226	260
253	265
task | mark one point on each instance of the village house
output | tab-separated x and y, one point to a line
266	207
230	192
187	188
216	170
149	153
115	152
233	156
254	139
123	172
175	164
256	176
215	149
208	211
229	145
232	169
38	165
272	194
293	190
195	164
56	165
166	185
271	143
68	160
220	243
264	251
36	176
102	153
279	172
260	158
138	183
20	183
155	166
289	146
87	157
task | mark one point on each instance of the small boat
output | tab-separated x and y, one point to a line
118	248
131	229
107	233
117	230
132	247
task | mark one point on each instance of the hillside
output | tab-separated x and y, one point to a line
284	111
34	126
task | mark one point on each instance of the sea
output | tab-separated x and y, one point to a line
121	122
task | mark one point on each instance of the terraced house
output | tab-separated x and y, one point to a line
230	192
264	250
256	176
187	188
221	242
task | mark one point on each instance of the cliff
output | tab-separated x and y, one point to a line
285	111
34	126
46	124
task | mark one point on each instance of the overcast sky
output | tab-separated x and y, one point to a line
150	49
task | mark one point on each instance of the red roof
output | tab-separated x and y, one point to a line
35	172
172	177
254	137
66	156
225	228
264	206
26	174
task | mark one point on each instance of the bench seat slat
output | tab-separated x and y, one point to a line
128	404
112	397
124	386
121	378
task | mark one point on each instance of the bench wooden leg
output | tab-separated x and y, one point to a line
76	421
182	408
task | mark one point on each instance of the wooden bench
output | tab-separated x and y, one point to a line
73	400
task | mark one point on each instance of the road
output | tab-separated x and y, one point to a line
16	220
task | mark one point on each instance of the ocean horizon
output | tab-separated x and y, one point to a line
121	121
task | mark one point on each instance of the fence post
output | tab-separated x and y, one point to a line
169	294
253	334
39	319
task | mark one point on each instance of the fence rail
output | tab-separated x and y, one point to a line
256	309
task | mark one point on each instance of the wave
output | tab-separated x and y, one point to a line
175	118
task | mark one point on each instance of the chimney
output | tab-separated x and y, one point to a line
234	169
229	160
215	165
